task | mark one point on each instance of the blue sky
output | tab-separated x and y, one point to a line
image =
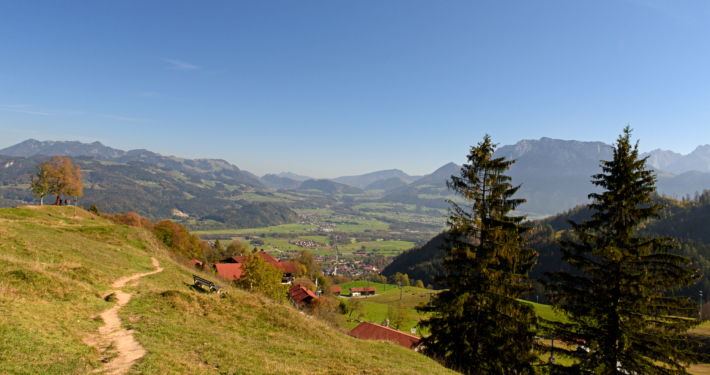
332	88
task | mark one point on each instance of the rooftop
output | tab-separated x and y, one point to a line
370	331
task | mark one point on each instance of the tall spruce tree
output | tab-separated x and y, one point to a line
478	325
615	301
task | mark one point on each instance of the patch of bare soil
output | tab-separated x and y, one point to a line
111	336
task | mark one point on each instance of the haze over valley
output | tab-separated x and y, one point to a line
554	175
343	187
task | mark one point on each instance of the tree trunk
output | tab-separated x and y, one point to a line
75	203
41	200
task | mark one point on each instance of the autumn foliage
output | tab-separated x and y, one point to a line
175	236
57	177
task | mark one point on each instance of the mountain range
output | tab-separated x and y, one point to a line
387	184
277	182
675	163
364	180
555	174
294	176
214	168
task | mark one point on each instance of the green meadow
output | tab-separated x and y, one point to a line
55	271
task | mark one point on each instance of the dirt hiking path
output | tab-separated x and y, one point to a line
129	350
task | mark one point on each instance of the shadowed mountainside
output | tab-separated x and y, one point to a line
275	182
364	180
387	184
151	191
254	215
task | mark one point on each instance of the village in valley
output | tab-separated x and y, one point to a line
371	306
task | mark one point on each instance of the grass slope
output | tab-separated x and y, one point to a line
54	270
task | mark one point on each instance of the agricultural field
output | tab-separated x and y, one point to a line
358	225
17	186
380	246
387	248
381	289
315	211
285	228
377	312
253	197
376	308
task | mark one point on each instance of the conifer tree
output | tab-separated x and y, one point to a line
478	325
615	301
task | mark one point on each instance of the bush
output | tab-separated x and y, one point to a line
131	219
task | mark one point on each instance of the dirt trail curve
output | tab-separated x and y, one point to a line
129	350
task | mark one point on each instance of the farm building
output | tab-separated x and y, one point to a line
336	290
287	268
231	271
366	291
371	331
196	262
300	295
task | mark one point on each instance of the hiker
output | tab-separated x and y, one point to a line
59	202
66	202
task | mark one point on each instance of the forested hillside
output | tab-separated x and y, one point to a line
148	189
253	215
419	263
685	220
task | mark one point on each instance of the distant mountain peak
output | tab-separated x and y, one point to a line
364	180
32	147
294	176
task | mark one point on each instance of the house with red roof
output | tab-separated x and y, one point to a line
231	271
301	296
196	262
366	291
287	268
336	290
371	331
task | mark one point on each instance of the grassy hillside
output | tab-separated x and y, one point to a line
55	271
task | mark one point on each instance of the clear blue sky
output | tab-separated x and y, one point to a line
331	88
